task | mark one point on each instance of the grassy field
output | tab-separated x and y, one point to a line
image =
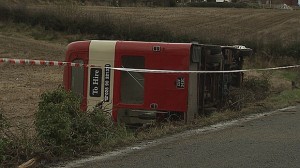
21	86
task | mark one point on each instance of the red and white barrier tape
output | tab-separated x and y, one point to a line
41	62
60	63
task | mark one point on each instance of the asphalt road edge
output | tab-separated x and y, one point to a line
185	134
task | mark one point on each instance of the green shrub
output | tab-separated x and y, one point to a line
65	129
260	87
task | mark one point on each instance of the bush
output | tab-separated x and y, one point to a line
252	90
65	129
260	87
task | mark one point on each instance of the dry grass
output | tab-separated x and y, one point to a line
21	86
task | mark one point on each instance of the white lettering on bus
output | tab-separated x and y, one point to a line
96	78
106	91
95	91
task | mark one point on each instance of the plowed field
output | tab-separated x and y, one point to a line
215	23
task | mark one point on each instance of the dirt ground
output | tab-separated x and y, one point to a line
22	85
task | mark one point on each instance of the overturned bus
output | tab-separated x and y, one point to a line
137	97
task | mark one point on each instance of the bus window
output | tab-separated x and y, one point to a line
77	78
132	83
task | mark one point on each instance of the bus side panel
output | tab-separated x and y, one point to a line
117	84
168	90
162	92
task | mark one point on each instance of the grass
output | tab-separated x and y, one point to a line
290	75
285	98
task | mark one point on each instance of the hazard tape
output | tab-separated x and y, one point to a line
61	63
41	62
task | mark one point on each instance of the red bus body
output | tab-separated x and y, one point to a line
133	97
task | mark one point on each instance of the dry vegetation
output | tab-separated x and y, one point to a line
21	86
